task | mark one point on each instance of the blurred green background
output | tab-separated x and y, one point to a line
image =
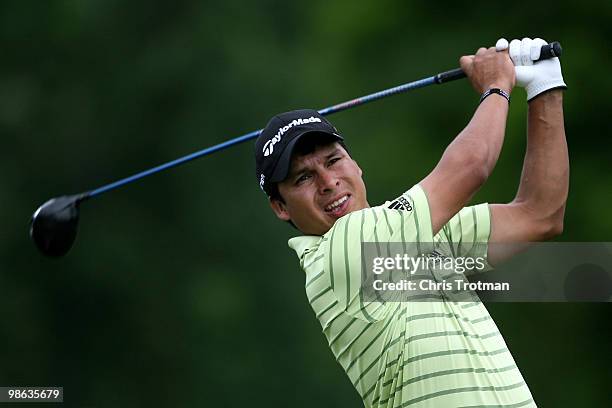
180	290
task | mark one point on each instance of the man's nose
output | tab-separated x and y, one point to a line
328	181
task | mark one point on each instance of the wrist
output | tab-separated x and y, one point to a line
549	98
552	88
492	91
503	86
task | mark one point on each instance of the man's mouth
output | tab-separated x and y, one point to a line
339	207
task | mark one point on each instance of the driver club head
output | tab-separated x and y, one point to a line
54	225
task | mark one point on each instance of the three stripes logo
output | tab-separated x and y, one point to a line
401	203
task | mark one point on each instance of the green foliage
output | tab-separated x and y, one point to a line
180	290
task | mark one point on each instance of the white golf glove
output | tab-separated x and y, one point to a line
535	76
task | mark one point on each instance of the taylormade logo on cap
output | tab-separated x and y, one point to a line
269	146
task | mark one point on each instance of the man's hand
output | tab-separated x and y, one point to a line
489	69
536	77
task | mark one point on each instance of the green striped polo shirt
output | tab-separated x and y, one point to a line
409	354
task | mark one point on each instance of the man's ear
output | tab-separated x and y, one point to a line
280	209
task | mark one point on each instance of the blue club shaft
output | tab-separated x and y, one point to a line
252	135
551	50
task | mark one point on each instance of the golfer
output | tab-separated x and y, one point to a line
422	354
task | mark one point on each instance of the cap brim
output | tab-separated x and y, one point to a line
284	162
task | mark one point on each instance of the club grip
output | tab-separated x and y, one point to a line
448	76
547	51
551	50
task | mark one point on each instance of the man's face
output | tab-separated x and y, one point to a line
321	187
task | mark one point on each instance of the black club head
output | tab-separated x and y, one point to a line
54	225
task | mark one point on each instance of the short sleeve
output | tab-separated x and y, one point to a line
413	209
467	233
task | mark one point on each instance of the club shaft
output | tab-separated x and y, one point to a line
252	135
378	95
172	163
547	51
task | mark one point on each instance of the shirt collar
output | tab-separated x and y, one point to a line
301	244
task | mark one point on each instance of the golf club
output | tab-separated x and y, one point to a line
54	224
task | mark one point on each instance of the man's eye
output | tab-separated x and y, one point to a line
302	178
335	159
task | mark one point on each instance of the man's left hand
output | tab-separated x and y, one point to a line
535	76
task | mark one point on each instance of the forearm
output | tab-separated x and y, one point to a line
483	137
544	181
466	162
471	157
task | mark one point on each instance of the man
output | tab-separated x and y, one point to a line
417	354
